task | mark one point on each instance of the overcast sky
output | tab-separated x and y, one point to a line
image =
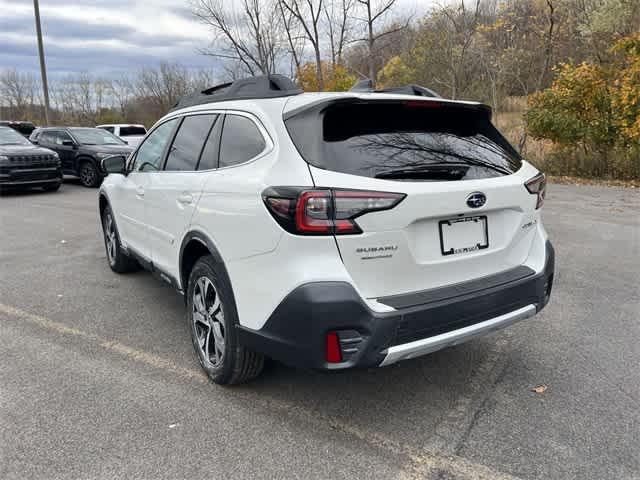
107	37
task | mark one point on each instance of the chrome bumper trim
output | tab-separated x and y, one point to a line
428	345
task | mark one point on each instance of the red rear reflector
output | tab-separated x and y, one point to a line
334	354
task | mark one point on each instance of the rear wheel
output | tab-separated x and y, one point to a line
212	317
119	261
88	173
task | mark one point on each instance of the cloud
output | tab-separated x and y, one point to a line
109	38
80	36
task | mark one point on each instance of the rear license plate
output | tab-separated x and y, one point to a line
463	235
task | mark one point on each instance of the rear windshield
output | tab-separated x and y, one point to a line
132	131
413	140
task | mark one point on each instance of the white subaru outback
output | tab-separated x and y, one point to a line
330	230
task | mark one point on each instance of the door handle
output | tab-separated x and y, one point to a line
185	198
140	191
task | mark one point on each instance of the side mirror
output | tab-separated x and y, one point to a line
114	164
68	143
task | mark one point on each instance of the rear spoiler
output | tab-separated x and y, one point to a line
320	105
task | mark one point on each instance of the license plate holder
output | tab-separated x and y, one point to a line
463	235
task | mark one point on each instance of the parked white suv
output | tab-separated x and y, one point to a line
131	134
330	230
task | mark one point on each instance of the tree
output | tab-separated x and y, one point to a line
626	98
336	77
248	35
306	14
396	73
162	87
376	11
18	90
339	26
594	109
576	109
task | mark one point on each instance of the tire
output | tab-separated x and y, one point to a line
52	187
89	175
119	261
213	325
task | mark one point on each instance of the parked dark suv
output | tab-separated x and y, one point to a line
81	150
24	165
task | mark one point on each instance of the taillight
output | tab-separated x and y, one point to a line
324	211
537	186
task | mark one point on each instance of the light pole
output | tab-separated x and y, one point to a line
43	68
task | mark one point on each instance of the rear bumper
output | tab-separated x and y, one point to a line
296	331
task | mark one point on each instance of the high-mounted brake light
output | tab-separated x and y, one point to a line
324	211
424	104
537	186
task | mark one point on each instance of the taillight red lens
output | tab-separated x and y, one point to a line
325	211
537	186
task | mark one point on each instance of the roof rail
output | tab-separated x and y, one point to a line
263	86
366	85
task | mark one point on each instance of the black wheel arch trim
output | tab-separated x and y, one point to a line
206	241
80	159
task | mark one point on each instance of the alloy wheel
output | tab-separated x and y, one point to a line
208	322
87	175
110	238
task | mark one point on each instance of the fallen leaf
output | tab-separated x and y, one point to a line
539	389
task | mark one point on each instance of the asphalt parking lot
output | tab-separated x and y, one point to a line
98	378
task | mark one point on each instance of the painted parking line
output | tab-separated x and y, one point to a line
420	463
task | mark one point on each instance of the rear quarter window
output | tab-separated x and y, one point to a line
241	141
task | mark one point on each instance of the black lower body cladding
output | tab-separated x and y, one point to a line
295	333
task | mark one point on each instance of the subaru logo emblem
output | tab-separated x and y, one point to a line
476	199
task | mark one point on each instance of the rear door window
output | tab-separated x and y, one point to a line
241	141
414	140
188	143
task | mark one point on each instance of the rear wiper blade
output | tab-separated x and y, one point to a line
434	171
